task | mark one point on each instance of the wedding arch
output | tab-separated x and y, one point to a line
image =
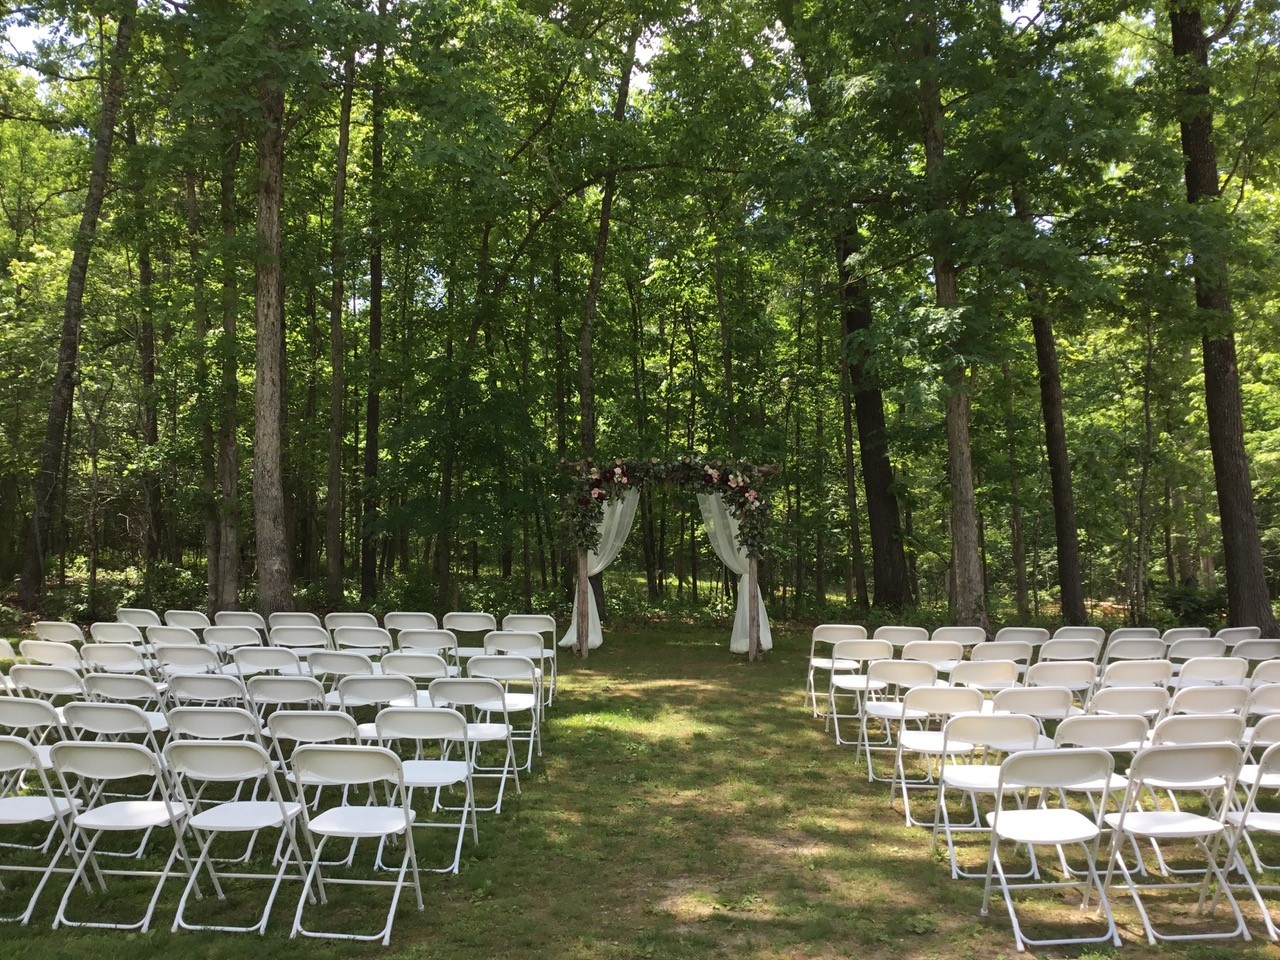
733	499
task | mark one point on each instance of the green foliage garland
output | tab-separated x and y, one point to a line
741	483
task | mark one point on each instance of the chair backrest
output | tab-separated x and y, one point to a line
313	726
1122	732
933	651
1264	700
1134	633
240	618
942	702
410	620
361	638
172	636
1198	728
1222	670
859	652
206	688
1019	651
539	623
1177	633
469	621
1257	651
1075	674
340	663
27	713
43	681
1032	635
1263	735
503	667
1005	732
427	640
1266	672
985	674
333	621
1134	648
191	619
123	688
1054	770
1144	701
1080	633
17	756
1189	764
1137	673
516	642
1070	648
464	691
138	616
305	637
1233	700
1233	635
249	660
334	764
830	633
114	657
1180	651
106	632
902	674
59	631
231	636
106	719
277	691
186	659
52	653
376	690
212	723
421	723
900	636
965	636
411	663
229	762
293	618
1044	703
103	761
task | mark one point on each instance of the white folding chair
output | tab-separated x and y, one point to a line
226	638
422	668
303	640
1134	633
965	636
430	733
1149	702
1078	676
356	692
1212	671
333	621
46	683
1115	733
1019	651
117	658
138	616
106	632
523	643
409	620
1046	820
214	689
828	635
35	721
1070	648
330	666
59	631
1173	768
213	723
441	642
900	636
1046	704
988	676
1233	635
1233	701
281	661
373	641
1177	633
1257	652
887	684
35	806
544	626
930	708
1180	651
847	678
142	692
94	766
1136	673
943	654
170	636
174	661
1134	648
197	765
469	622
191	619
351	766
1036	636
521	682
971	746
268	694
1197	728
483	702
51	653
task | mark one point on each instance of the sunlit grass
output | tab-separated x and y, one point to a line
686	807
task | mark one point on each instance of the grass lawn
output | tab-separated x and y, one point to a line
686	806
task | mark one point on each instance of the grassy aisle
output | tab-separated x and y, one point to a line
687	807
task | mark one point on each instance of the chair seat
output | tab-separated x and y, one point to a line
1055	826
930	742
858	684
893	710
17	810
487	731
972	777
244	815
434	773
1249	776
1166	823
515	703
359	822
126	815
826	663
1262	820
463	653
1117	783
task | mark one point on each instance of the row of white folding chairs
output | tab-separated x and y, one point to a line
81	813
460	620
1197	755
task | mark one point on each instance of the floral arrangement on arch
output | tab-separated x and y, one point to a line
740	482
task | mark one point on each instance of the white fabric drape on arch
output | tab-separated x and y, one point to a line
722	531
614	528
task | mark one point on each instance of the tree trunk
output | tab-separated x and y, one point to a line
373	409
968	600
1015	504
337	387
227	583
1248	596
274	580
46	480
